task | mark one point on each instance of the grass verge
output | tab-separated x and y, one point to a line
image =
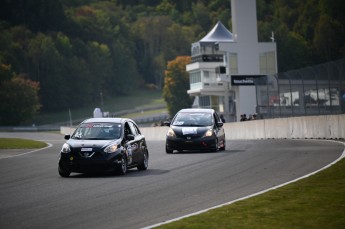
314	202
144	113
16	143
138	99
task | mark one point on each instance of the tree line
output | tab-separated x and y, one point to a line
70	51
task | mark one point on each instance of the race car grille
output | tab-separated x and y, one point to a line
86	154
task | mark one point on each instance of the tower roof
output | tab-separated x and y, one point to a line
219	33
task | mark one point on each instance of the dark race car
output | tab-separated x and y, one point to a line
195	129
104	144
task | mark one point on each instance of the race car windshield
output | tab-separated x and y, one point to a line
193	119
98	131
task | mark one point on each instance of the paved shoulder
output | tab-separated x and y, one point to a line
5	153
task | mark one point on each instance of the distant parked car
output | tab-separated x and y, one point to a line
104	144
195	129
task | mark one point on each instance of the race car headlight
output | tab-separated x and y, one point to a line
65	148
208	133
171	133
112	148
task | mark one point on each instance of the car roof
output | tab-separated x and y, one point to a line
115	120
205	110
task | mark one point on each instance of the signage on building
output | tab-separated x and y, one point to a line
248	80
212	58
207	58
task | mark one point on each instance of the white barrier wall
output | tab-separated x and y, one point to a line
324	127
321	127
155	133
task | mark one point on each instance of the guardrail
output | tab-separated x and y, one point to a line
316	127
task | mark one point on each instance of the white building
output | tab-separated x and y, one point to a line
224	64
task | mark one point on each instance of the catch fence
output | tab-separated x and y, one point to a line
316	90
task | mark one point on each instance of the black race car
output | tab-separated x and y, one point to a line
104	144
195	129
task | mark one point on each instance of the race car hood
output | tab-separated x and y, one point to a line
195	131
75	143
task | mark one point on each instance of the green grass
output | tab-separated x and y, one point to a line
16	143
144	113
314	202
139	99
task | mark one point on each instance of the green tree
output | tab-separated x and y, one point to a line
176	84
152	39
38	15
165	7
100	65
334	9
47	69
201	15
329	38
5	73
293	50
13	47
307	19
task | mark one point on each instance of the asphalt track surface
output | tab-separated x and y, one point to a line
33	195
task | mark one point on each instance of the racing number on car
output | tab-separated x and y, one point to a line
129	154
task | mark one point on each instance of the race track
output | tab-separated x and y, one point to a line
33	195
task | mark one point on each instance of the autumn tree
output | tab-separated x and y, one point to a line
18	96
176	84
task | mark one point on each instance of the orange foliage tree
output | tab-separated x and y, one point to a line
176	84
18	96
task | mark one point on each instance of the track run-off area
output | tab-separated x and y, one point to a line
33	195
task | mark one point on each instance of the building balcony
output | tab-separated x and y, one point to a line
202	65
211	88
